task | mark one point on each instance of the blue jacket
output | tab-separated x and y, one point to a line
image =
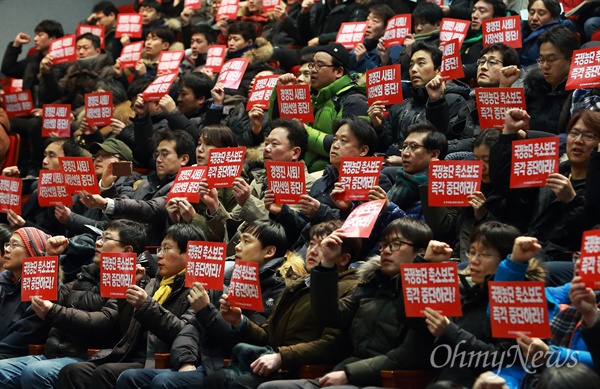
371	60
530	52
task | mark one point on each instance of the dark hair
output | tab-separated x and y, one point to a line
209	33
148	3
496	235
413	230
245	29
434	52
429	12
497	5
551	5
51	27
434	140
138	86
182	233
130	233
165	34
69	146
90	37
296	133
269	233
350	246
306	58
218	135
119	95
382	11
509	54
184	143
199	83
590	118
106	7
364	133
487	137
5	234
562	38
567	377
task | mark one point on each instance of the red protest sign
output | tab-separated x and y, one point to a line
269	5
358	175
532	161
244	289
505	30
351	34
431	285
18	104
518	307
117	272
451	29
261	92
451	182
590	259
585	69
10	194
397	29
383	84
451	63
193	4
224	166
39	278
95	30
131	54
493	103
187	183
56	118
232	72
98	108
215	58
79	174
205	264
63	50
286	180
12	85
294	102
169	61
130	25
362	219
52	189
228	9
159	87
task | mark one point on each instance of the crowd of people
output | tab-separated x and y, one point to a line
328	299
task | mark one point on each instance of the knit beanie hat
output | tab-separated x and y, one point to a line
34	239
338	52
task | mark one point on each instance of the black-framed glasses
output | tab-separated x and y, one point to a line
393	245
585	135
492	61
101	239
162	154
318	65
11	246
541	61
413	146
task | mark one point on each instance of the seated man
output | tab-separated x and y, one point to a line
151	18
196	38
104	13
155	313
80	318
20	326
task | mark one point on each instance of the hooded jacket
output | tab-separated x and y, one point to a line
259	54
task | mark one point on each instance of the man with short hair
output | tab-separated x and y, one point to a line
159	39
105	14
197	39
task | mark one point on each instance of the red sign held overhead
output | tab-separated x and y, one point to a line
362	219
261	92
452	67
56	118
215	58
286	180
131	54
39	278
431	285
130	25
79	174
95	30
585	69
351	34
224	166
590	259
493	103
244	289
358	175
532	161
505	30
52	189
205	264
451	29
117	272
98	108
10	194
193	4
294	102
518	307
63	50
159	87
384	84
451	182
187	183
169	61
228	9
397	29
232	72
18	104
